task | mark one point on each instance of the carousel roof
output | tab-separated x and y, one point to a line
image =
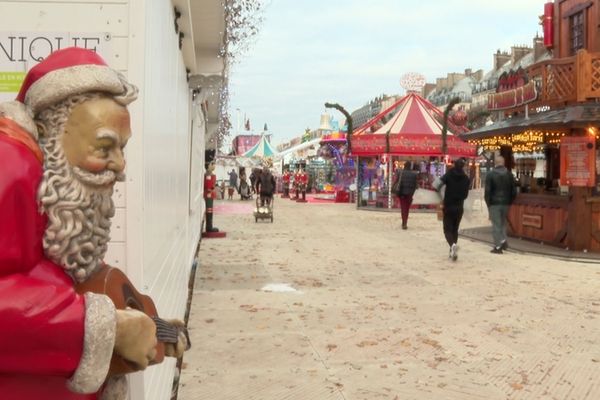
411	115
411	126
261	149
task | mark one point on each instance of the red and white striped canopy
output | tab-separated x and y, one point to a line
409	127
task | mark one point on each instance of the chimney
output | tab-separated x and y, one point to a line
439	83
428	88
518	52
500	58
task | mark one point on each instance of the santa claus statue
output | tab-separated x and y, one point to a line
61	152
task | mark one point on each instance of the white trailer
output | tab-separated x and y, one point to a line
160	208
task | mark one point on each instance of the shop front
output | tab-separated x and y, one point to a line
555	159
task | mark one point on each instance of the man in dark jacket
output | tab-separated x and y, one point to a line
500	191
406	189
265	185
457	189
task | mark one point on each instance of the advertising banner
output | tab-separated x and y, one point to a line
19	51
578	161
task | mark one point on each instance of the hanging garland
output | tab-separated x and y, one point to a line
243	19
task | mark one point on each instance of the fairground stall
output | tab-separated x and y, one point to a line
548	133
409	130
335	171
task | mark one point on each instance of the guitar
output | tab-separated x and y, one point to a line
113	283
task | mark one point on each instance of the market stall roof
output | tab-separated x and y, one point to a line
576	116
261	149
298	147
409	127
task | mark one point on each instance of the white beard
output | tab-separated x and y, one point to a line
79	207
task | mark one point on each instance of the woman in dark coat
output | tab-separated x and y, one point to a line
406	189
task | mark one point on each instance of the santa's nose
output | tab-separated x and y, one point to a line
116	161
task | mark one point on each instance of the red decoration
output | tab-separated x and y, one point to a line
547	25
459	118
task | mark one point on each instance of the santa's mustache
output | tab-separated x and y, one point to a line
103	178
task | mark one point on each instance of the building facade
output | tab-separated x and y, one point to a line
367	112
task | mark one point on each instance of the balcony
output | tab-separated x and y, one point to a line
564	81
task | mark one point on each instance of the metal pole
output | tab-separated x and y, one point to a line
389	168
358	188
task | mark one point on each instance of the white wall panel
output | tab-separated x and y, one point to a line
167	249
65	15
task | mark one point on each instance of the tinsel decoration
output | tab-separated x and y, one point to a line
243	19
449	107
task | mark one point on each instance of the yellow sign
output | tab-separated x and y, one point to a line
10	82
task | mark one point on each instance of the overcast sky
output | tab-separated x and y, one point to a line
350	51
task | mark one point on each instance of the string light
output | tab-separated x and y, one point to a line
529	141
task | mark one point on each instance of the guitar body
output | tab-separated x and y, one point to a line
113	283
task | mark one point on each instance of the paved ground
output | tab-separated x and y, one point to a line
381	313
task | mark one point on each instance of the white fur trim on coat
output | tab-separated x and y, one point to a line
17	111
98	344
117	388
60	84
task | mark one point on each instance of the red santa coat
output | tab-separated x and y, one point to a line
41	316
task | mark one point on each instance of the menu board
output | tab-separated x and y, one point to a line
578	161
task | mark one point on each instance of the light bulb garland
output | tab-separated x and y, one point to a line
529	141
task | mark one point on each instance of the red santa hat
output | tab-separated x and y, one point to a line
65	73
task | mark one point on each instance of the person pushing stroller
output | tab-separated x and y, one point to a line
265	186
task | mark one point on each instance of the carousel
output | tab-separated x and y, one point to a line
409	130
338	171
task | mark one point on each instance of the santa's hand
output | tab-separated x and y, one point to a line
176	349
135	339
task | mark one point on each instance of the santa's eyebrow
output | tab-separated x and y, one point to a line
107	134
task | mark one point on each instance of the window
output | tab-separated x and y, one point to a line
576	27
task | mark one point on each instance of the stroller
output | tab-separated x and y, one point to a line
263	212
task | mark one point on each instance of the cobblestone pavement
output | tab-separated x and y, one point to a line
381	313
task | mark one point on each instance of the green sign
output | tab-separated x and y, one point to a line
10	82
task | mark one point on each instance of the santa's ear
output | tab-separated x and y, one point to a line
41	128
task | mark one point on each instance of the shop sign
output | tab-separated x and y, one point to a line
513	98
19	51
369	144
532	220
578	161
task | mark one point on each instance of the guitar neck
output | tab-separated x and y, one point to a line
166	332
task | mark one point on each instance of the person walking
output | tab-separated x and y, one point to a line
253	180
233	179
406	182
500	192
265	185
456	184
